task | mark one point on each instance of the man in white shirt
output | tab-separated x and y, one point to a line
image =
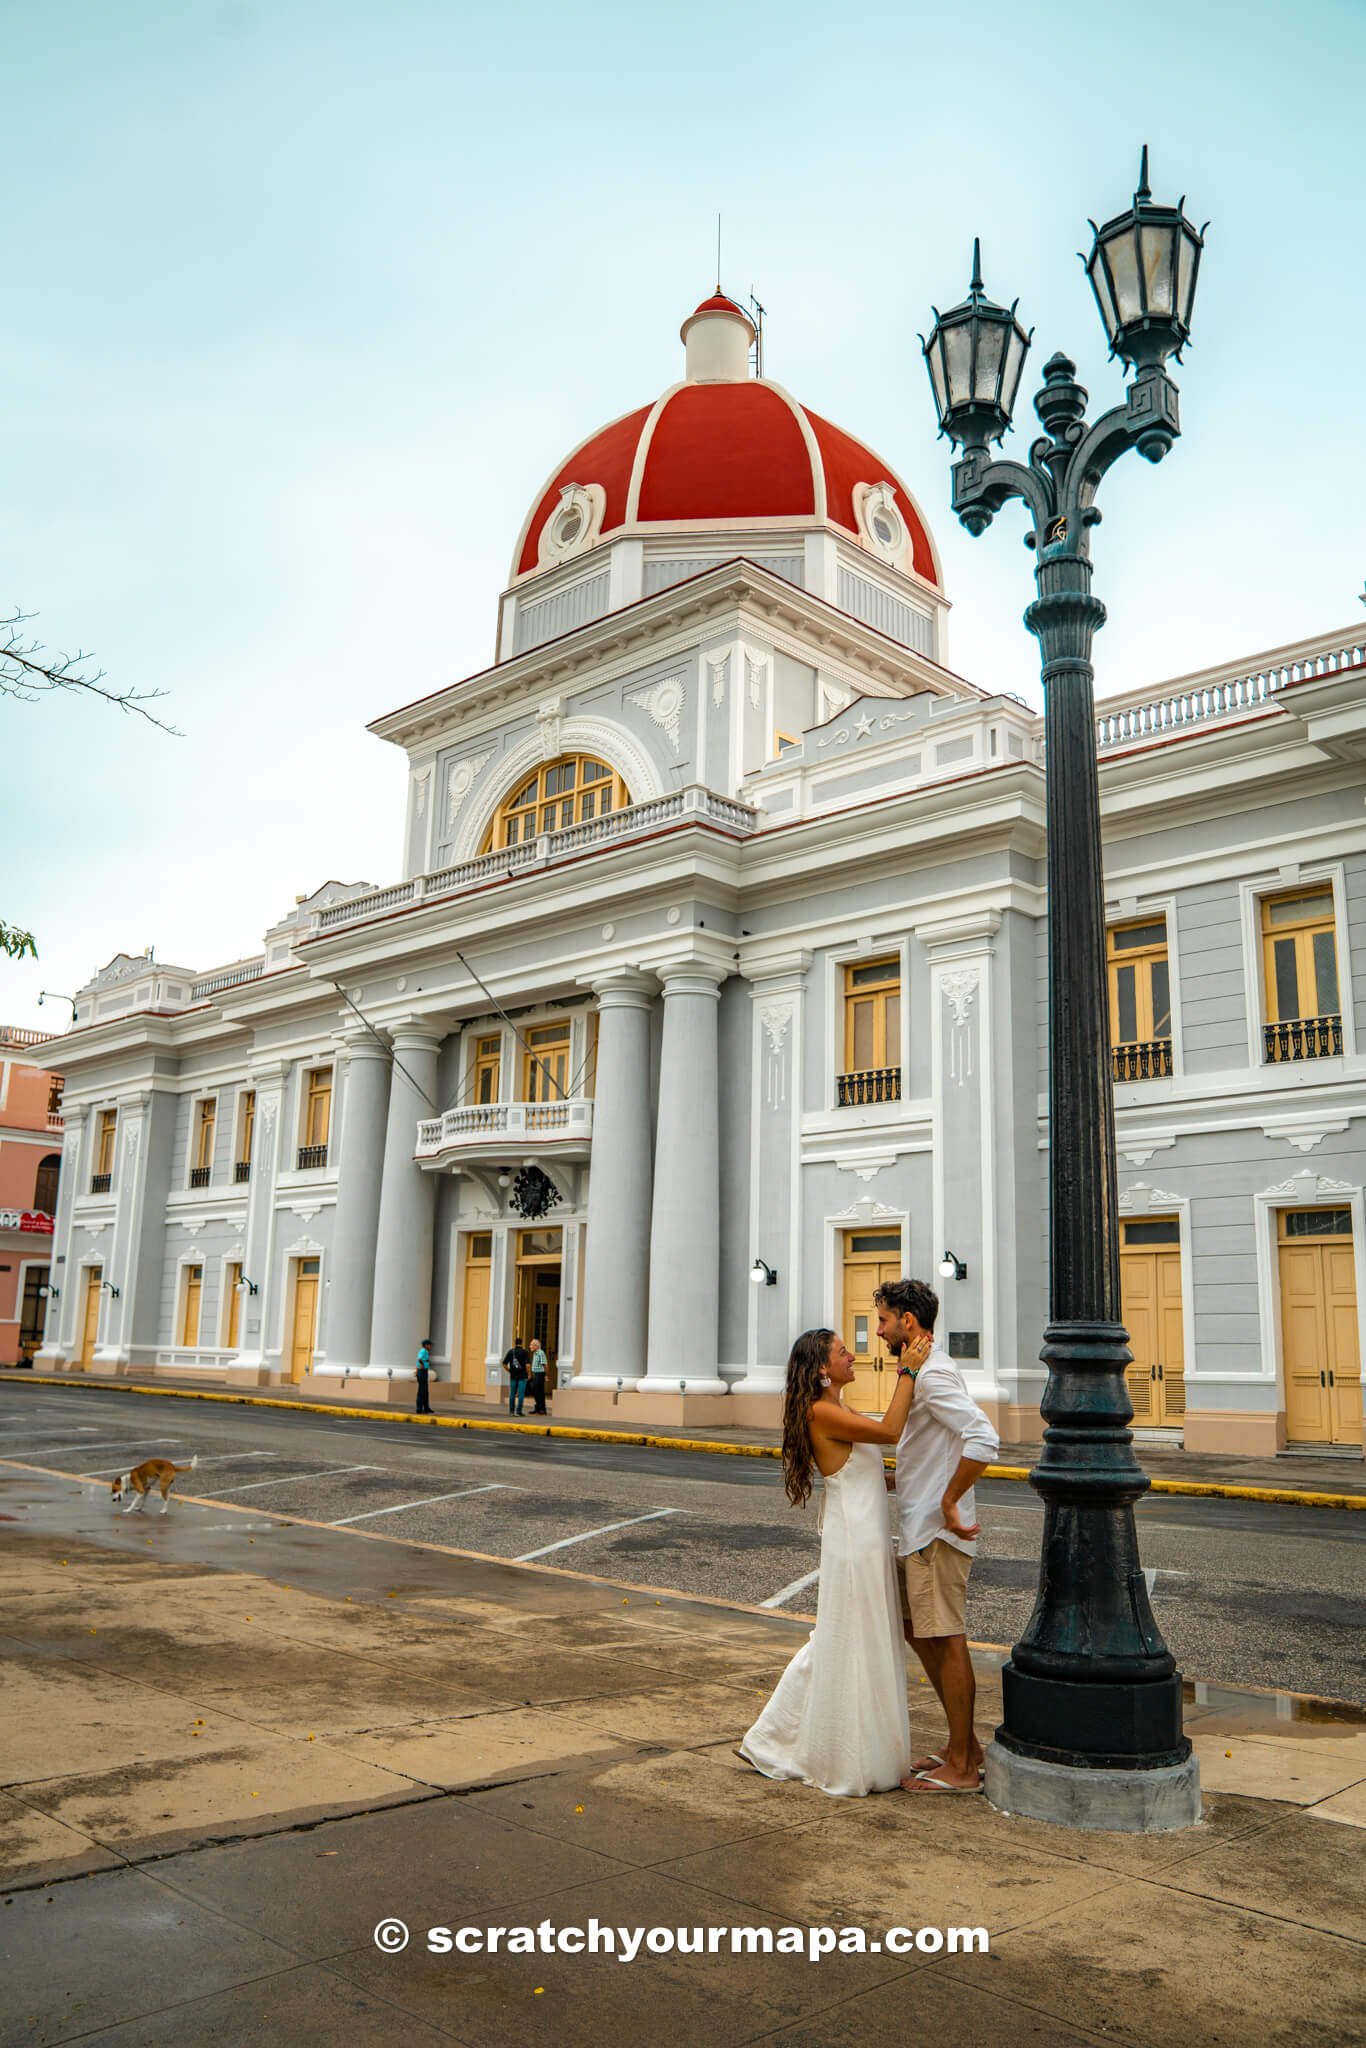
946	1445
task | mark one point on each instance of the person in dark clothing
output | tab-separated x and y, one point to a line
424	1366
517	1365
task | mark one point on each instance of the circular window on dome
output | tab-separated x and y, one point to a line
883	527
572	524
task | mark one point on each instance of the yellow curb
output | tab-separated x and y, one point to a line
1283	1496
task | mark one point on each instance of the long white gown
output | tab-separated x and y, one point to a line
838	1719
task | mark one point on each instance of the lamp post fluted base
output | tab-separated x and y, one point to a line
1150	1801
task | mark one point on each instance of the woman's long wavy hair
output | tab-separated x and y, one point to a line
804	1369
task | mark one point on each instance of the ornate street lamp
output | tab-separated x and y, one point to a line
1091	1730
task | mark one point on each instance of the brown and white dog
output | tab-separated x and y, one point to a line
140	1481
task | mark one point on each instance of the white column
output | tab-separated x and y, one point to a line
684	1226
355	1232
616	1276
407	1206
269	1078
775	1167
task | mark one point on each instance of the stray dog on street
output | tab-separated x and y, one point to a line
140	1481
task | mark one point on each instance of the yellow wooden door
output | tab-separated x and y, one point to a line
871	1257
1150	1295
90	1318
189	1317
305	1331
232	1281
474	1322
1320	1348
1344	1343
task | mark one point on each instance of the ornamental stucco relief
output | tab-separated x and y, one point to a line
459	782
664	701
958	986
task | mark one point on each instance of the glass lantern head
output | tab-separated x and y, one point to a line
975	355
1143	267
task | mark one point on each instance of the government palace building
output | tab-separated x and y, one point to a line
711	995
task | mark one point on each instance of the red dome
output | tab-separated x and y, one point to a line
721	453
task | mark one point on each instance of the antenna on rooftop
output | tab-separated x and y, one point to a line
758	350
718	252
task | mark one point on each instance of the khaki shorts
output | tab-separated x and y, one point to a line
934	1589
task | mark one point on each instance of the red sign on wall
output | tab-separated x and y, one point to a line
26	1219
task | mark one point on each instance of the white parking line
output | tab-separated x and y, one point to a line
51	1450
496	1486
791	1592
236	1457
566	1542
301	1477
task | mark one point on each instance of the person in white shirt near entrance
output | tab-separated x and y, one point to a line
946	1445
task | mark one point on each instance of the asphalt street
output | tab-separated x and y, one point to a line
1247	1593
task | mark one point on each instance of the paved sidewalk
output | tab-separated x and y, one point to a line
218	1780
1307	1472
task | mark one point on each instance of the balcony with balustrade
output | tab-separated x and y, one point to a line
494	1133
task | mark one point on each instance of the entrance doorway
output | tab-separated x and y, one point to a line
33	1312
90	1313
871	1257
536	1297
1319	1340
304	1329
474	1315
1150	1298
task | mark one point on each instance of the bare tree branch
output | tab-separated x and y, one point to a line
26	675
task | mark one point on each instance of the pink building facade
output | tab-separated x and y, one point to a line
30	1161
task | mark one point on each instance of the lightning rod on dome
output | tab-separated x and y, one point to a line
758	334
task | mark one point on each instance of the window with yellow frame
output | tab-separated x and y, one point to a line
488	1067
570	791
545	1063
872	1032
1139	975
1300	975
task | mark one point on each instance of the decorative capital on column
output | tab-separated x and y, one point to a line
268	1073
953	938
624	988
418	1034
773	974
692	976
360	1044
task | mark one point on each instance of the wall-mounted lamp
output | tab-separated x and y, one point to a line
113	1290
505	1179
952	1267
250	1285
49	1293
762	1274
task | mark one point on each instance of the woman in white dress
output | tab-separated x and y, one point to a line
839	1719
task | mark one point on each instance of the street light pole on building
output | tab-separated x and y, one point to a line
1091	1731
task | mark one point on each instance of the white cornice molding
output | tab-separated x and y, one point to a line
636	630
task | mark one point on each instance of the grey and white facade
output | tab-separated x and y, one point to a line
656	1004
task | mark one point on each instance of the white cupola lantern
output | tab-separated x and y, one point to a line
718	338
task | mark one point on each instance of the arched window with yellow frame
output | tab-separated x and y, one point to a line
570	791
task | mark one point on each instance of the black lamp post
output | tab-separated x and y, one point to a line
1091	1731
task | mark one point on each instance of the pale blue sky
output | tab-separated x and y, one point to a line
304	301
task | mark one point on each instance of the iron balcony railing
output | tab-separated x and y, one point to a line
872	1084
1303	1038
199	1176
100	1183
1143	1060
241	1172
311	1156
